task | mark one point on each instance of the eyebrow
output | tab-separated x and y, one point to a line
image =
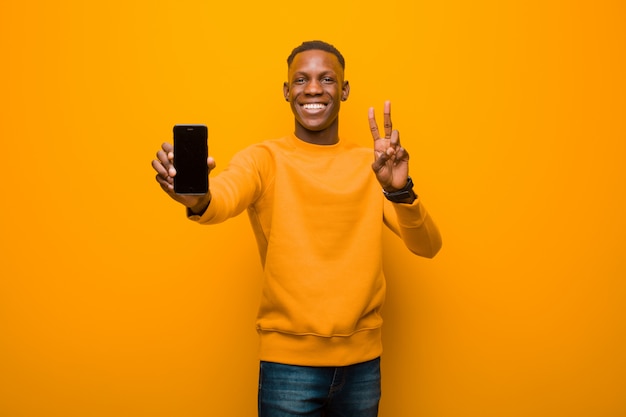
323	73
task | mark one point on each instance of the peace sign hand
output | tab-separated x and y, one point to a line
391	161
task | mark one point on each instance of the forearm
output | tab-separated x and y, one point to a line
417	229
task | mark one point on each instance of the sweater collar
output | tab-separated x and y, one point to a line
310	147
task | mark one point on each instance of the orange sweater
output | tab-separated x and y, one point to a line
317	213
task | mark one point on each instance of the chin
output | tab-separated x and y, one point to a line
316	125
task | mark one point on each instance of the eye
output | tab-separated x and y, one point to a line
328	80
299	80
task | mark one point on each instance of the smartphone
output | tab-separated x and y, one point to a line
191	151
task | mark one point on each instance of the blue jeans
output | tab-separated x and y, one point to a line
287	390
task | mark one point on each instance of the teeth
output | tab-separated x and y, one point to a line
314	106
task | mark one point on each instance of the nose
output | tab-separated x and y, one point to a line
313	88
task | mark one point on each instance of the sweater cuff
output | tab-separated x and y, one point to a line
193	216
196	216
410	215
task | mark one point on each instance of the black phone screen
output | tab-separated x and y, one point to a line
190	159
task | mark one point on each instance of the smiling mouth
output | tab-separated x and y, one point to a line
314	106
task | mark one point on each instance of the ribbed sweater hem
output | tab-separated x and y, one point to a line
311	350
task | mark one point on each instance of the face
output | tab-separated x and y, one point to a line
315	90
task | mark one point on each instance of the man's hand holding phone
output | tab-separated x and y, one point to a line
195	196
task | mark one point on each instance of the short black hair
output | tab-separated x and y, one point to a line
316	45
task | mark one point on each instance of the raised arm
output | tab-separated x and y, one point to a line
391	160
409	220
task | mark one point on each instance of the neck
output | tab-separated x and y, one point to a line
328	136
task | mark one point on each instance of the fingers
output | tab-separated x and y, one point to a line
163	163
164	167
387	125
394	139
166	157
163	177
387	119
167	147
210	162
401	154
395	153
373	124
381	160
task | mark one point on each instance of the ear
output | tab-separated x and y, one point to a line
345	91
286	90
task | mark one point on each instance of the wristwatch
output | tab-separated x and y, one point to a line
403	194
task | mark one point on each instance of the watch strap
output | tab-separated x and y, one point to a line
403	194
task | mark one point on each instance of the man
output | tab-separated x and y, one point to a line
317	212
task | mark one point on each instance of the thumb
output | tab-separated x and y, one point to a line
382	159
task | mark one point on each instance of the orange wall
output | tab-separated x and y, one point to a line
113	304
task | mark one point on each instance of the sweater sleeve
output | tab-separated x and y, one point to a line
236	188
415	226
